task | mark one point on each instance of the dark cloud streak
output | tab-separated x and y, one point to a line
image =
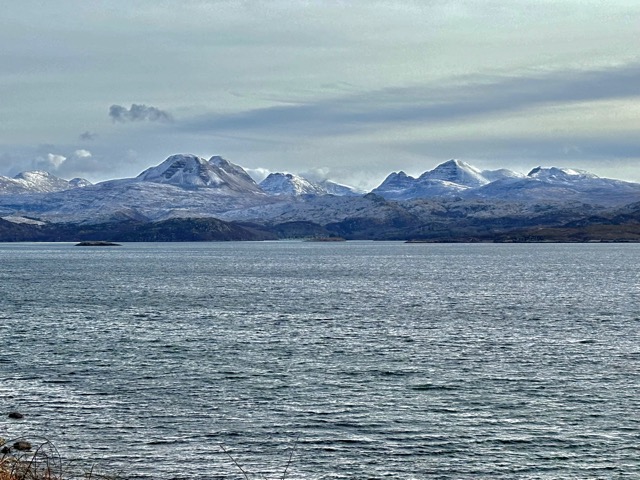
431	104
138	113
87	136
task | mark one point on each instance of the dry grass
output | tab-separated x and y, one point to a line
41	462
245	474
44	463
20	461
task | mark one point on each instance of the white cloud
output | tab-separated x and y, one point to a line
55	160
258	174
82	153
316	174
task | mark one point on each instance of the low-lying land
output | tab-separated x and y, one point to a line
374	219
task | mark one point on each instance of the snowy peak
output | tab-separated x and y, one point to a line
38	181
290	184
231	169
233	175
79	182
501	174
182	170
191	171
446	180
35	175
395	182
456	171
563	175
560	185
457	179
339	190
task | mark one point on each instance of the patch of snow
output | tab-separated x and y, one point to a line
23	220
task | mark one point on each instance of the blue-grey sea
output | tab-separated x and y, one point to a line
346	360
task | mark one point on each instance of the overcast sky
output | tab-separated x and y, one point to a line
350	90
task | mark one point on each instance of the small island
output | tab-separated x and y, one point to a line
97	243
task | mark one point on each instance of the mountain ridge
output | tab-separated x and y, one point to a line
38	181
192	171
452	201
296	185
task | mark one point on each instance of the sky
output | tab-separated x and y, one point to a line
345	90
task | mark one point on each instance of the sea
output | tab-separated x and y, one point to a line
313	360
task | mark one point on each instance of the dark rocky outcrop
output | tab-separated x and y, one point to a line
22	445
97	243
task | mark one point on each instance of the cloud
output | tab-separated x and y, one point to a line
138	113
258	174
55	160
316	174
82	153
87	136
429	104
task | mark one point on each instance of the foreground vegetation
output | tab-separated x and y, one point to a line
20	460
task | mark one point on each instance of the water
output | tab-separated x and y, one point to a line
363	360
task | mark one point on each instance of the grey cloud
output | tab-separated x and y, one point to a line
87	136
138	113
470	97
316	174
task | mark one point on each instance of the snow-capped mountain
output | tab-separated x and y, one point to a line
190	186
79	182
290	184
395	185
181	186
294	185
129	199
553	185
37	181
546	185
340	190
456	172
190	171
501	174
448	179
560	175
418	188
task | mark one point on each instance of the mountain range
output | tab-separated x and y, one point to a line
37	181
453	202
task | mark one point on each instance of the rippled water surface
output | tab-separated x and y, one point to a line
363	360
